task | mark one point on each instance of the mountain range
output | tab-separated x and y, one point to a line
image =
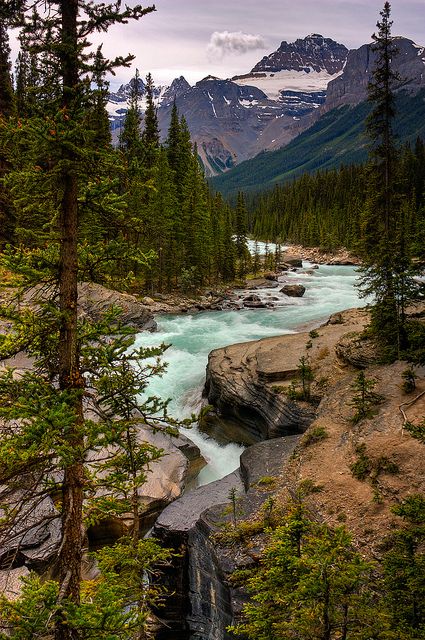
311	85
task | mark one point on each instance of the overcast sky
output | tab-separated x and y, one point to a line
196	38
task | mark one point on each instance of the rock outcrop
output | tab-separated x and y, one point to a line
350	87
166	480
240	381
203	603
312	53
248	382
94	300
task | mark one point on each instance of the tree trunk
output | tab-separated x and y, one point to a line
326	612
70	379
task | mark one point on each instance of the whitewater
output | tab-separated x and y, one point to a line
329	289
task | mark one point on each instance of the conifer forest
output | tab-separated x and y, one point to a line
314	411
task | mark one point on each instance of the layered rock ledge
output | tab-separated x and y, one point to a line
247	382
204	602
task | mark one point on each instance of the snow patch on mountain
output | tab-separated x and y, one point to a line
273	84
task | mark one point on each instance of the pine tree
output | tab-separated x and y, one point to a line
98	120
7	108
150	135
241	235
62	35
386	271
404	570
310	584
131	138
7	98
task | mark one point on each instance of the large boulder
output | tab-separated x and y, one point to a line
293	290
296	263
166	480
94	300
35	538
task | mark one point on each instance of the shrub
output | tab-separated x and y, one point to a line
409	380
317	434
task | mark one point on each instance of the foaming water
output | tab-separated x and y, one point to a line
328	289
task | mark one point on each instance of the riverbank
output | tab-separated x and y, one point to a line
251	383
316	458
319	256
139	309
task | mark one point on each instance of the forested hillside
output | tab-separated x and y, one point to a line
146	211
337	138
325	209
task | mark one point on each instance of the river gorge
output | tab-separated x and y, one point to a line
203	604
192	337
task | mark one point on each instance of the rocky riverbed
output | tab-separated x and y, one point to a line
248	382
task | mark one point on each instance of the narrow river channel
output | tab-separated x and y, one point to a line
328	289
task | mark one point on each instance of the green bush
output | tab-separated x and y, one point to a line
317	434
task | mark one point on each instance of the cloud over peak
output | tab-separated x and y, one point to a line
235	42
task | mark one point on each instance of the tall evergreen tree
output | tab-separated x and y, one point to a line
7	97
7	107
310	584
150	135
241	234
98	120
61	34
131	137
386	273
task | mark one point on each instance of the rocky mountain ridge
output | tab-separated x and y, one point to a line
233	120
313	53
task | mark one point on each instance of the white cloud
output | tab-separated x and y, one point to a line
236	42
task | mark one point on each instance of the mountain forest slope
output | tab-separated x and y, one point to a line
337	138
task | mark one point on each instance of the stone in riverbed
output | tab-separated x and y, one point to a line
293	290
293	262
254	302
262	283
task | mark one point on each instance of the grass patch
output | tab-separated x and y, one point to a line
317	434
307	487
366	468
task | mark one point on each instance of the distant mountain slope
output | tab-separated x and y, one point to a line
336	138
281	97
232	120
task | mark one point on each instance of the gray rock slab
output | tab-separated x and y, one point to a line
183	514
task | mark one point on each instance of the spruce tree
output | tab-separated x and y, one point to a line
7	108
130	137
404	570
150	135
7	98
241	235
98	120
61	35
312	584
386	271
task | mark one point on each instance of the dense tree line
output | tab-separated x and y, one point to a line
325	209
312	583
146	203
